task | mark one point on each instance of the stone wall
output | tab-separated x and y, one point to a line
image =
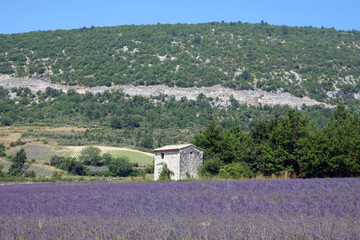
172	160
183	163
191	160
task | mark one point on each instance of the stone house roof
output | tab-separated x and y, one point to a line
176	147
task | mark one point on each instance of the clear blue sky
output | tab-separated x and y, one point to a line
32	15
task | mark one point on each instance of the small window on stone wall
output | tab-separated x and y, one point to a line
191	152
162	155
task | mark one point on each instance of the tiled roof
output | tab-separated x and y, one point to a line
174	147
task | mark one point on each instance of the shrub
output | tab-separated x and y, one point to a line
105	173
235	170
211	167
150	169
18	142
68	164
2	150
137	172
30	174
165	173
107	158
120	166
1	170
57	174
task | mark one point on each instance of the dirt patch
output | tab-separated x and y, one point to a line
7	137
14	133
64	129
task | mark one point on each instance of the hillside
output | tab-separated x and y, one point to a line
220	95
322	64
152	85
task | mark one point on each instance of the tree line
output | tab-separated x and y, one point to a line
91	156
284	144
137	121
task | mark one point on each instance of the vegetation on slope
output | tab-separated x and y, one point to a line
300	60
115	119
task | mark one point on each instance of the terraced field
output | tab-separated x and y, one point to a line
41	171
43	153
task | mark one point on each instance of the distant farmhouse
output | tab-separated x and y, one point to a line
183	160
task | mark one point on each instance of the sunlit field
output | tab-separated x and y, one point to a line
263	209
43	153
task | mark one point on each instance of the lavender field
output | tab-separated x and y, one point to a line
269	209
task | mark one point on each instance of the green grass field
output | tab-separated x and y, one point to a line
137	157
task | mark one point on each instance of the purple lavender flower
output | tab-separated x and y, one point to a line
272	209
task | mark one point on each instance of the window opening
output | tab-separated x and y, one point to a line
162	155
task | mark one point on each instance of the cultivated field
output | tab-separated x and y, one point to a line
267	209
14	133
43	153
40	170
143	158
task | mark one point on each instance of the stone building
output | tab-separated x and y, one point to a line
183	160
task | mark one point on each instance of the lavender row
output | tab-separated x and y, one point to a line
273	209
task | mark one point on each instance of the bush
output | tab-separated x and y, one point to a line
18	142
2	150
107	158
121	167
105	173
211	167
5	121
68	164
30	174
137	172
1	170
165	173
57	174
150	169
235	170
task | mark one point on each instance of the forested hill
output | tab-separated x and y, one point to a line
305	61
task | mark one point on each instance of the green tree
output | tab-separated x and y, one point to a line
107	158
281	151
335	150
18	166
71	165
120	167
147	141
91	156
75	167
116	122
210	140
2	150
